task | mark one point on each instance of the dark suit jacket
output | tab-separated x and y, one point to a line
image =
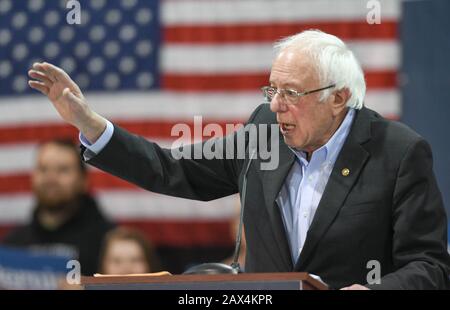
388	208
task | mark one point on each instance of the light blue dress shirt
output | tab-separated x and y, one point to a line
95	148
303	188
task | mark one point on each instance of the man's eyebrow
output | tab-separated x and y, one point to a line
290	85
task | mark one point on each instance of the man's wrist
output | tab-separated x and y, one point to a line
92	149
94	128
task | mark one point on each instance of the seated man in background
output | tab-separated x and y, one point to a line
66	219
127	251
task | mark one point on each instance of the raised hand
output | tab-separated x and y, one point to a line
67	99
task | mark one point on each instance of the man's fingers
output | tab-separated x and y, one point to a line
40	86
37	75
56	73
59	75
52	72
40	68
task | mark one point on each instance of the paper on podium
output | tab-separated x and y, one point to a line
153	274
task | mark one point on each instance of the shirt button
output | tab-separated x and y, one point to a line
310	178
305	214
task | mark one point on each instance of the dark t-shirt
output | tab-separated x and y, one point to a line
80	237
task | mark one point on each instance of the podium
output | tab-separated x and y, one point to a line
243	281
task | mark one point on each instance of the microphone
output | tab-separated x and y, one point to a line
234	268
237	249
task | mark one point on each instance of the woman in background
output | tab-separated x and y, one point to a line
127	251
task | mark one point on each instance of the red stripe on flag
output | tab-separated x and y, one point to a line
381	79
214	82
248	33
237	82
156	129
185	233
15	183
173	233
36	133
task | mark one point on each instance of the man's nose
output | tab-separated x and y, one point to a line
277	104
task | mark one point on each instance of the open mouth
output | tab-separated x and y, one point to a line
286	128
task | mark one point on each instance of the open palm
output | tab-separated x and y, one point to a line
61	90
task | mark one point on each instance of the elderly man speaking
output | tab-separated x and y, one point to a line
353	194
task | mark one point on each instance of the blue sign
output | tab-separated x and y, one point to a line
24	269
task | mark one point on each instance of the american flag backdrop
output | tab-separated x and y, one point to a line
147	65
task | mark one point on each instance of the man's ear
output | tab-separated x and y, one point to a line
340	100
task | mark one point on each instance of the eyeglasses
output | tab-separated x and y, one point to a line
290	95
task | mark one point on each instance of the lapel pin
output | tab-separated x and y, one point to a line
345	172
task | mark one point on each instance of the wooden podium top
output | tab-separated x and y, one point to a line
304	280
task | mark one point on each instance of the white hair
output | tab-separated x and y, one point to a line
334	61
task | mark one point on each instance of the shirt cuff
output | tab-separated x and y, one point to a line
101	142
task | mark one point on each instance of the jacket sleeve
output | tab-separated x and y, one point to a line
145	164
419	245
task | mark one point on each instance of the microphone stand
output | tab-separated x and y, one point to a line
220	268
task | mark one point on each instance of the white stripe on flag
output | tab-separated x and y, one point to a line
226	58
136	106
163	106
130	205
147	205
263	11
24	156
385	102
15	208
17	158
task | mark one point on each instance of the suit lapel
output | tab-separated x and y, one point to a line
352	157
272	182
